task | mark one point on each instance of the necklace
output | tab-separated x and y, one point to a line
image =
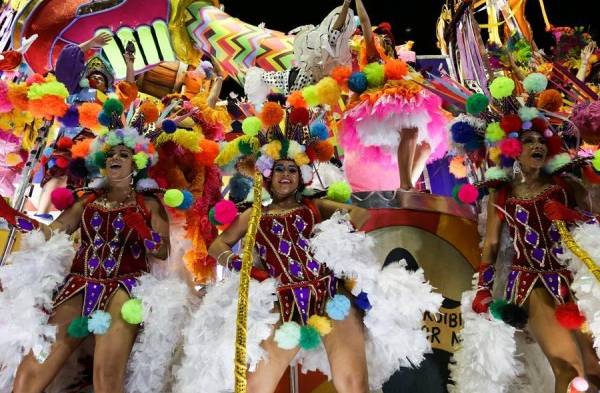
117	204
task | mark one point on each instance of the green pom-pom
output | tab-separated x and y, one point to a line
287	336
112	139
502	87
455	190
496	308
248	145
251	126
557	162
132	311
311	95
527	113
339	191
535	82
173	197
309	338
495	173
113	106
375	73
477	103
129	141
596	161
99	159
78	328
494	132
141	160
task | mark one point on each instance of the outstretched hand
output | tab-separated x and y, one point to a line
101	40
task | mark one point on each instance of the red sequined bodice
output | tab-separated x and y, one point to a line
108	248
535	237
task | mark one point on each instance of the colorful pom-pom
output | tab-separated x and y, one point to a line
494	132
62	198
341	75
299	116
320	151
569	316
98	159
468	193
362	301
328	91
550	100
309	338
173	197
511	147
596	161
339	191
311	95
88	115
502	87
527	113
112	106
78	328
457	167
296	100
271	114
319	130
132	311
375	73
61	162
168	126
514	316
225	212
287	336
188	200
150	111
104	119
496	308
64	143
251	126
321	324
539	124
208	152
535	82
558	161
140	159
462	132
99	322
495	173
511	123
248	146
70	118
338	307
477	103
358	82
395	69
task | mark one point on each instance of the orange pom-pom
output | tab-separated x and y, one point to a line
48	106
88	115
271	114
150	111
341	75
395	69
296	100
550	100
81	149
17	95
126	92
320	151
457	167
209	151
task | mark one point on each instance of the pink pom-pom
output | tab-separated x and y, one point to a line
62	198
580	384
511	147
468	193
225	212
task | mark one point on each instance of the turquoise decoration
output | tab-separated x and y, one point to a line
338	307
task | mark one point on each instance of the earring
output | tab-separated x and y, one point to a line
517	171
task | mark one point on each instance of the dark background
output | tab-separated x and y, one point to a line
411	20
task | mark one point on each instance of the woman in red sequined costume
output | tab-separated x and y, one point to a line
282	244
537	281
120	229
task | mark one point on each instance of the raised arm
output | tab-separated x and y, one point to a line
341	19
358	215
367	30
220	249
215	91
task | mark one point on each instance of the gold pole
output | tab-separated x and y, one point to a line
579	252
241	384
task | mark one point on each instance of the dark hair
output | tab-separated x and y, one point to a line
102	75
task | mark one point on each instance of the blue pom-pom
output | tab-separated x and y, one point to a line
358	82
99	322
362	301
104	119
169	126
338	307
462	132
188	200
513	135
506	162
71	117
239	188
319	130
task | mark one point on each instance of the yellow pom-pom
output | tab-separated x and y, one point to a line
273	149
494	154
311	95
301	159
321	324
329	91
173	197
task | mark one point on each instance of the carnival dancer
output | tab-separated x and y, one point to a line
306	248
538	295
87	82
123	225
391	121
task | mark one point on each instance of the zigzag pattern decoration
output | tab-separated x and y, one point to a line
236	45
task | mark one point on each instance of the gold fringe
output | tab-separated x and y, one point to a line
241	384
576	249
